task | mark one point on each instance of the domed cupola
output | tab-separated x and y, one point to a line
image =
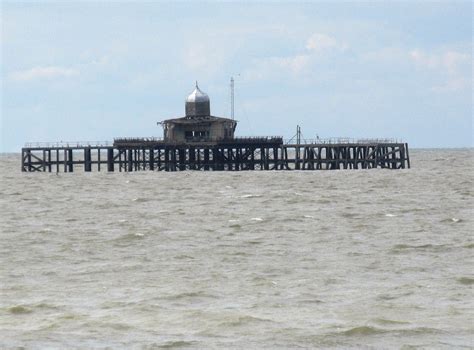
197	104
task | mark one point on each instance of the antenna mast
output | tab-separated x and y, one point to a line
232	98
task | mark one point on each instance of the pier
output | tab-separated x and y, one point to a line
202	141
236	154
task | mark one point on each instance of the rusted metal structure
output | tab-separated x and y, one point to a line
259	153
200	141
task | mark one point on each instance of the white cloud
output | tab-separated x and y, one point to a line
316	46
295	64
50	72
321	42
453	84
449	60
450	63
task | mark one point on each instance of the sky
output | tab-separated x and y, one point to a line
92	71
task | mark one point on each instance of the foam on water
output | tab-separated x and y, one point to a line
284	259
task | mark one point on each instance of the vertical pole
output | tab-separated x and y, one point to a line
232	98
98	158
49	161
23	159
65	161
173	158
120	160
159	159
192	158
252	158
43	163
297	150
130	159
167	159
408	155
297	157
206	158
266	152
182	159
229	158
70	161
87	159
110	159
275	158
30	168
136	159
152	159
214	158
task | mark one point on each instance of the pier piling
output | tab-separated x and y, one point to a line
265	153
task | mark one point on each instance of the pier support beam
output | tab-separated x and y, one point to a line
87	160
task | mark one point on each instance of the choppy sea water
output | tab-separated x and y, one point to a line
248	260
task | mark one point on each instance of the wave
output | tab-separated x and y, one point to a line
466	280
141	200
176	344
364	330
452	220
190	295
129	237
384	321
235	321
407	247
19	310
374	331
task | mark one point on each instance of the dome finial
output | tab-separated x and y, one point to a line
197	104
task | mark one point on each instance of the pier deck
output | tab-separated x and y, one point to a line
251	153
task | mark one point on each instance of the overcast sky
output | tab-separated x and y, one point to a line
98	70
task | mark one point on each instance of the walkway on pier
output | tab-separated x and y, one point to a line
257	153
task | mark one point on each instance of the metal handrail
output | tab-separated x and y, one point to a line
346	140
198	139
328	141
140	139
60	144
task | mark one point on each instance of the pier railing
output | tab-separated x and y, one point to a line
68	144
343	140
251	139
160	140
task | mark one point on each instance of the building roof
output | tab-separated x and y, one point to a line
197	95
197	120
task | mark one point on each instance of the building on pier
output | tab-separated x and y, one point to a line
198	125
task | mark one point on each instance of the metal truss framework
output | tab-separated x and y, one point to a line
218	157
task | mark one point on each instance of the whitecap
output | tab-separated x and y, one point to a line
256	219
308	216
390	215
250	196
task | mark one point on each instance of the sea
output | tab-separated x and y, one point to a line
346	259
